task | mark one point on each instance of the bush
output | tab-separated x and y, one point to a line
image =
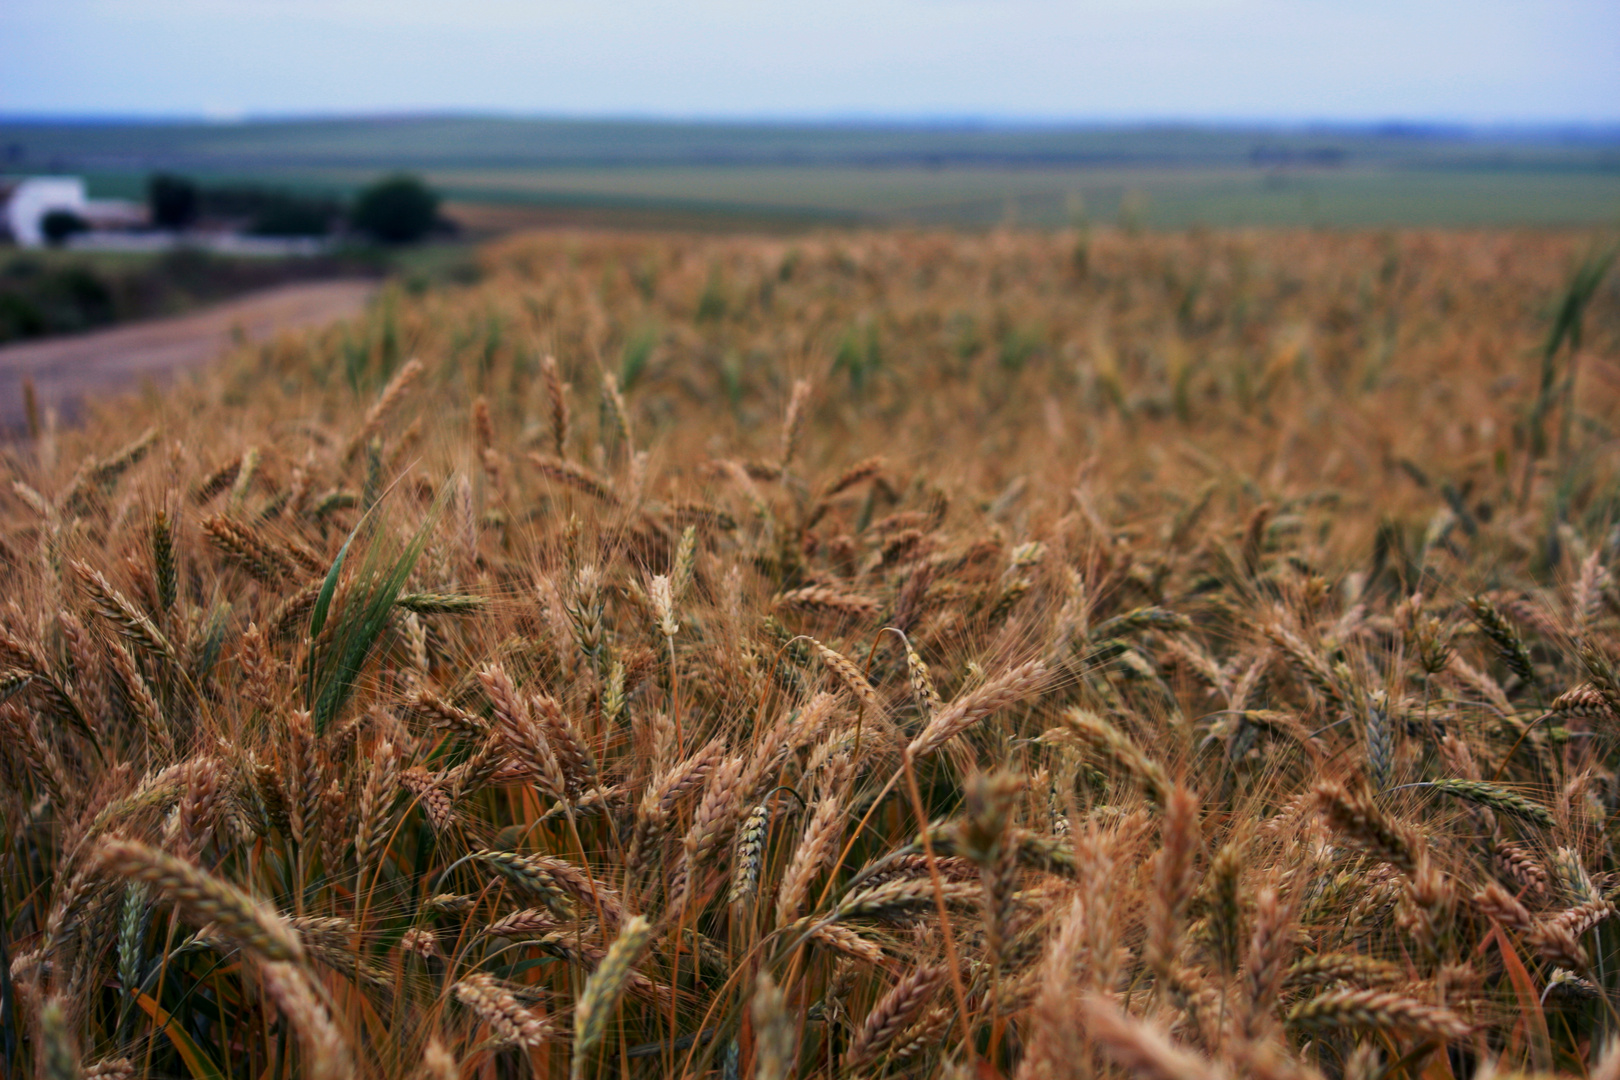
19	318
61	224
172	200
42	296
78	298
37	298
398	210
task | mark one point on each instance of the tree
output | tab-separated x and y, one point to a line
58	225
172	201
396	210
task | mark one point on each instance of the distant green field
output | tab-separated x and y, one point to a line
1159	198
712	174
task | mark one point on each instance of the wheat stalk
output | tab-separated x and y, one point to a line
205	897
603	990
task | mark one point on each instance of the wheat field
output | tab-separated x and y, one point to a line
877	654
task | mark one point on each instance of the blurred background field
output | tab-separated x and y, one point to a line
498	173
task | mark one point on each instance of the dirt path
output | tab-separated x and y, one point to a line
68	369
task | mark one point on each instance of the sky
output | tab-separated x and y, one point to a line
1467	61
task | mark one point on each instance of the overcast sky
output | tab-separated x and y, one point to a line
1483	61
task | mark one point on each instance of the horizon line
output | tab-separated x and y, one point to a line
1403	125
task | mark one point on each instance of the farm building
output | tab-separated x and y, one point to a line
25	203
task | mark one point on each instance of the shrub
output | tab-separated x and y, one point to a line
77	298
397	210
19	318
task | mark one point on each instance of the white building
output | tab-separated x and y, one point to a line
24	205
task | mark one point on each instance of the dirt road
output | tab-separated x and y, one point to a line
67	370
